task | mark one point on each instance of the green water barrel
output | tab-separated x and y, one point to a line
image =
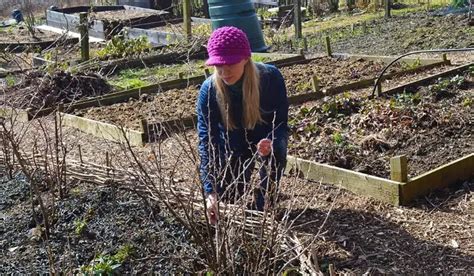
240	14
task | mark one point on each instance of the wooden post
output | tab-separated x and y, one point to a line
378	92
298	27
332	271
187	18
305	43
445	57
399	168
180	75
364	27
315	83
144	129
328	46
84	32
388	7
207	73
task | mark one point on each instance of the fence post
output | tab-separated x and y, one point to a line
187	18
84	30
298	27
388	7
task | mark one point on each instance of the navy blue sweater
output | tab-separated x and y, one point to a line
216	144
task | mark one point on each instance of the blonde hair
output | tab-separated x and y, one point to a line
250	98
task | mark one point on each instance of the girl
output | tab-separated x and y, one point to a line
242	117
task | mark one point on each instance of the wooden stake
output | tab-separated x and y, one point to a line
84	32
187	18
207	73
328	46
399	168
298	27
315	83
180	75
388	7
378	92
332	271
445	57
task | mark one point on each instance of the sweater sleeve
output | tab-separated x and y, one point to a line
209	138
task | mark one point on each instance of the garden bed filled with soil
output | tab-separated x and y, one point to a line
398	34
331	72
169	105
96	229
181	103
37	90
20	34
431	125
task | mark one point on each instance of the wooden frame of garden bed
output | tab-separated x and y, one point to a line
386	190
68	19
18	47
178	124
123	96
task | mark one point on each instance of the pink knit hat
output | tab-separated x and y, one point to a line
227	45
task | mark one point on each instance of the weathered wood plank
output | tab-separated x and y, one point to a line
443	176
20	115
103	130
428	79
359	183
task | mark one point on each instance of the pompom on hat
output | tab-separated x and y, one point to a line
226	46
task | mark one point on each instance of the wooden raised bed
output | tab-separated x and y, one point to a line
391	191
68	19
187	122
18	47
159	37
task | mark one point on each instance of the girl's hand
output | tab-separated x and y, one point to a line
211	206
264	147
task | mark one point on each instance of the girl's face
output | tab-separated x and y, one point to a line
230	74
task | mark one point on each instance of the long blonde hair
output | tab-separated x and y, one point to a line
250	98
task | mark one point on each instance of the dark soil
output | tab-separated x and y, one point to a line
20	34
38	90
431	125
399	34
169	105
114	219
331	72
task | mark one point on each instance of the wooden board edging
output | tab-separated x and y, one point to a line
459	170
359	183
21	115
428	79
103	130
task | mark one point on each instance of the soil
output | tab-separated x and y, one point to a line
354	233
331	72
431	125
180	103
20	34
120	15
37	90
114	219
361	236
172	104
399	34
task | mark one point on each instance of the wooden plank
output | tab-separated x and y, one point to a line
359	183
443	176
428	80
15	114
103	130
